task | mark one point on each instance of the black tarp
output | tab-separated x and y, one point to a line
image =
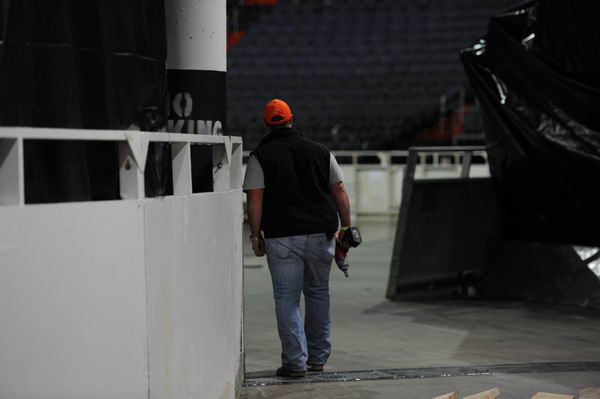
82	64
536	75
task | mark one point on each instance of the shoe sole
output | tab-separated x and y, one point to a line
290	374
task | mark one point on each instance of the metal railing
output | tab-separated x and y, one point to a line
133	149
463	154
432	162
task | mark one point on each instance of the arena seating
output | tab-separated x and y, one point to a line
358	74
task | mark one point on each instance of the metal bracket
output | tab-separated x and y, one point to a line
138	144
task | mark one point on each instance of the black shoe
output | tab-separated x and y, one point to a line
284	372
315	367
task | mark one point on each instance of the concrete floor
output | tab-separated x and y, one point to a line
370	332
522	386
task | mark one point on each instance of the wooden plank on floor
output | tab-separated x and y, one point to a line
589	393
490	394
451	395
546	395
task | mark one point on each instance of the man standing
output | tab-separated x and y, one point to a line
295	193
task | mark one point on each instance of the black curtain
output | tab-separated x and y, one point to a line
536	77
81	64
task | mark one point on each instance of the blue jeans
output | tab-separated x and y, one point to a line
302	264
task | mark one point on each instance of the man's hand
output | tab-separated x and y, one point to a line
340	236
258	245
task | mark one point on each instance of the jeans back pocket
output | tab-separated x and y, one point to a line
277	248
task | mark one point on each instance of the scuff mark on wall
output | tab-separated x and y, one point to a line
167	352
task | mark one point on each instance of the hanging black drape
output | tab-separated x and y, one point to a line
91	64
536	76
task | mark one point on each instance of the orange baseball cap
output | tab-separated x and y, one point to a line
277	112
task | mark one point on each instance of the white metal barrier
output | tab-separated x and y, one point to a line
136	298
375	188
133	148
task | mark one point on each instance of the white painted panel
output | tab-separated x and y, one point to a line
398	177
182	168
196	34
349	185
194	260
373	191
449	171
437	172
72	301
377	193
236	166
221	156
10	179
480	171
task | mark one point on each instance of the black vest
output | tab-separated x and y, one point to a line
296	199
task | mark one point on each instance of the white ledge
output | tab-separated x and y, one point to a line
30	133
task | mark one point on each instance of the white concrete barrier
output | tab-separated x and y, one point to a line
138	298
376	189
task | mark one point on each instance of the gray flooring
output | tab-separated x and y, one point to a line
370	332
522	386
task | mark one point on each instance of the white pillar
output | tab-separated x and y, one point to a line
197	64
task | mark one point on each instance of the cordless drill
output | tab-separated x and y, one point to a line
344	240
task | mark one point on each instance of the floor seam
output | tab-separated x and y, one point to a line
267	378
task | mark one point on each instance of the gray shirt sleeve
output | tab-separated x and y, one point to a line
335	172
254	178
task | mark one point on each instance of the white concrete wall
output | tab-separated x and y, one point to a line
194	257
73	301
377	190
122	299
135	298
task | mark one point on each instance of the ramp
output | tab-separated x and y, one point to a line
451	240
447	231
